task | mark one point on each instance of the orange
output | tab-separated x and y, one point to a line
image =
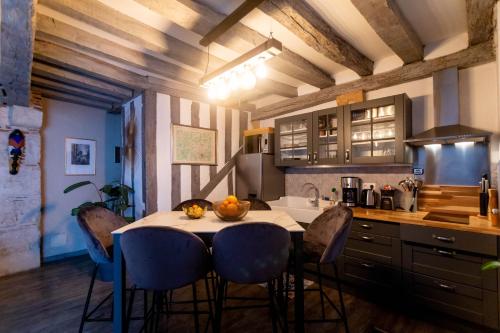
232	209
232	199
226	202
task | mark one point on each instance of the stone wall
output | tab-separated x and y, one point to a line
20	195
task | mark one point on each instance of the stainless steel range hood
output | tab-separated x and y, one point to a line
447	115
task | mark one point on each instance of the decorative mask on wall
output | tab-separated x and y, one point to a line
16	150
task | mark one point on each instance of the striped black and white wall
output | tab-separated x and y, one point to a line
177	183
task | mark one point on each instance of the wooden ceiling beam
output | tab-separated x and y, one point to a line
472	56
480	20
276	88
81	100
16	46
385	17
200	19
246	7
66	88
62	75
301	19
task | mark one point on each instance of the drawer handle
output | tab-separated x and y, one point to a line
445	253
368	265
366	226
367	238
444	286
444	239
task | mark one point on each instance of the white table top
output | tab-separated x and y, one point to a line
211	223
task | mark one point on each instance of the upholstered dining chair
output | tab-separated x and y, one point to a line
96	224
324	241
250	253
257	204
199	202
161	259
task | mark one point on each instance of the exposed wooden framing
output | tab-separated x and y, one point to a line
277	88
480	20
246	7
385	17
244	97
200	19
150	186
78	80
16	38
305	23
38	81
472	56
64	97
54	31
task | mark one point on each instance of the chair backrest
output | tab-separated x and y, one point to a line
97	223
199	202
164	258
331	230
257	204
253	252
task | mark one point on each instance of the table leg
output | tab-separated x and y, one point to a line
118	287
299	282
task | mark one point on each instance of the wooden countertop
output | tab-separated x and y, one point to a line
476	224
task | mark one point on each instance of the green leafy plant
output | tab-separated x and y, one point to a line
116	194
490	265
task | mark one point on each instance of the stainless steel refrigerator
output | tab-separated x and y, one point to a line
257	177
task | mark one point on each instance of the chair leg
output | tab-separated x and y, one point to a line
209	301
128	318
145	309
270	289
195	310
341	298
218	305
321	297
89	295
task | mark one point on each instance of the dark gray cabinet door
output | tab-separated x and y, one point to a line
293	140
328	136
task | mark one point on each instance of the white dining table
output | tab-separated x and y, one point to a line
210	224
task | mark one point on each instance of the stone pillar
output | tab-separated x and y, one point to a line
20	195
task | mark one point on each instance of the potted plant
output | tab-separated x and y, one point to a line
117	198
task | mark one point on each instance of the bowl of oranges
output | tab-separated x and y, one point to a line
194	211
231	209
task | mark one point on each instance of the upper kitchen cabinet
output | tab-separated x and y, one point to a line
293	140
375	130
328	134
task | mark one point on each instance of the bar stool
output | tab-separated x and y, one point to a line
324	241
250	253
161	259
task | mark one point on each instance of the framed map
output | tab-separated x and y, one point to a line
194	145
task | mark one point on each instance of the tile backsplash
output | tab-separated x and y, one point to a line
326	178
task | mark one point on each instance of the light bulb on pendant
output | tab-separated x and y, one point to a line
222	91
261	70
212	92
248	80
234	83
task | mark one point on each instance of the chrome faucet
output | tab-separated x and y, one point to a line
314	202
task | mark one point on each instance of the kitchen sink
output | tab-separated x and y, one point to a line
299	208
447	217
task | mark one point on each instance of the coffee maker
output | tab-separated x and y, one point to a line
350	190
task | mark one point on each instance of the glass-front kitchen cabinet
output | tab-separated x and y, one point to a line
362	133
375	130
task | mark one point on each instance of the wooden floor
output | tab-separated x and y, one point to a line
50	299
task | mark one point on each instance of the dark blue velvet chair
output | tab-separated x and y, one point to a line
250	253
161	259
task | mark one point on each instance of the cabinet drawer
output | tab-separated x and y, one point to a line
466	302
453	239
451	265
376	227
381	249
368	273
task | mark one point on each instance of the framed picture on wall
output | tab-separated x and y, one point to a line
80	155
194	145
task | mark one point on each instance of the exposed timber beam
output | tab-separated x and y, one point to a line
305	23
200	19
480	20
276	88
65	97
246	7
66	88
16	47
385	17
472	56
78	80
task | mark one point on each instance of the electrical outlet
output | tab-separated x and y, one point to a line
366	186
